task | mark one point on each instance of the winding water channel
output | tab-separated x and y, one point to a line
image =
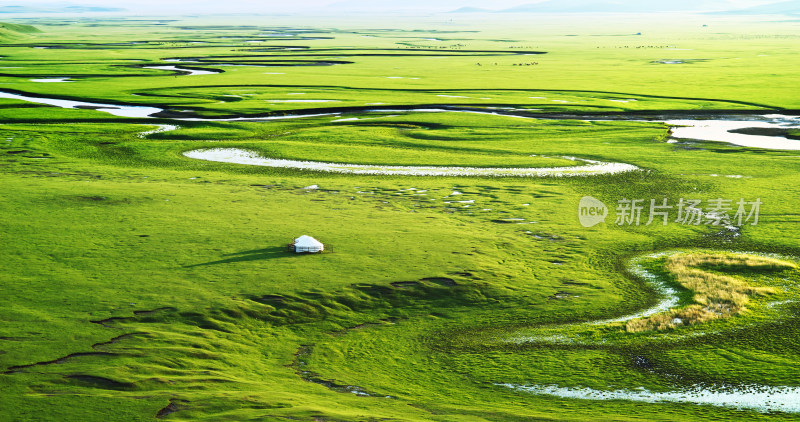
722	128
743	130
240	156
758	397
184	70
739	130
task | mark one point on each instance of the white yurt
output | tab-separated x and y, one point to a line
307	244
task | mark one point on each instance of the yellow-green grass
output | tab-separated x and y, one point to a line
714	295
745	62
99	224
14	32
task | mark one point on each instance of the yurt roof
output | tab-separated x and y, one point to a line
307	241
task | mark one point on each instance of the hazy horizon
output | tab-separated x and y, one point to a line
299	6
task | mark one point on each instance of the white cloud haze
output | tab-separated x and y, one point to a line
308	6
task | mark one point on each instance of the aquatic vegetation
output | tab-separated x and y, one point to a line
713	295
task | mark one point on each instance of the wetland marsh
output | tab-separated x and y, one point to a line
148	198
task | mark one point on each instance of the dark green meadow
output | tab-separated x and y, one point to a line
139	284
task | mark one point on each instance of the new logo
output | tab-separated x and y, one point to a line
591	211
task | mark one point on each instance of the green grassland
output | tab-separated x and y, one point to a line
11	31
140	284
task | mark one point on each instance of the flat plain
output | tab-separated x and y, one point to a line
139	283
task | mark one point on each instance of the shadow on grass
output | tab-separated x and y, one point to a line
251	255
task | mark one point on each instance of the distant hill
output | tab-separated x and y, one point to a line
414	6
791	7
471	10
611	6
57	9
83	9
22	29
11	31
393	5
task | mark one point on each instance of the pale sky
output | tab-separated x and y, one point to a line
261	6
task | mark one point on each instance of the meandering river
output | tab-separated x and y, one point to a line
717	129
